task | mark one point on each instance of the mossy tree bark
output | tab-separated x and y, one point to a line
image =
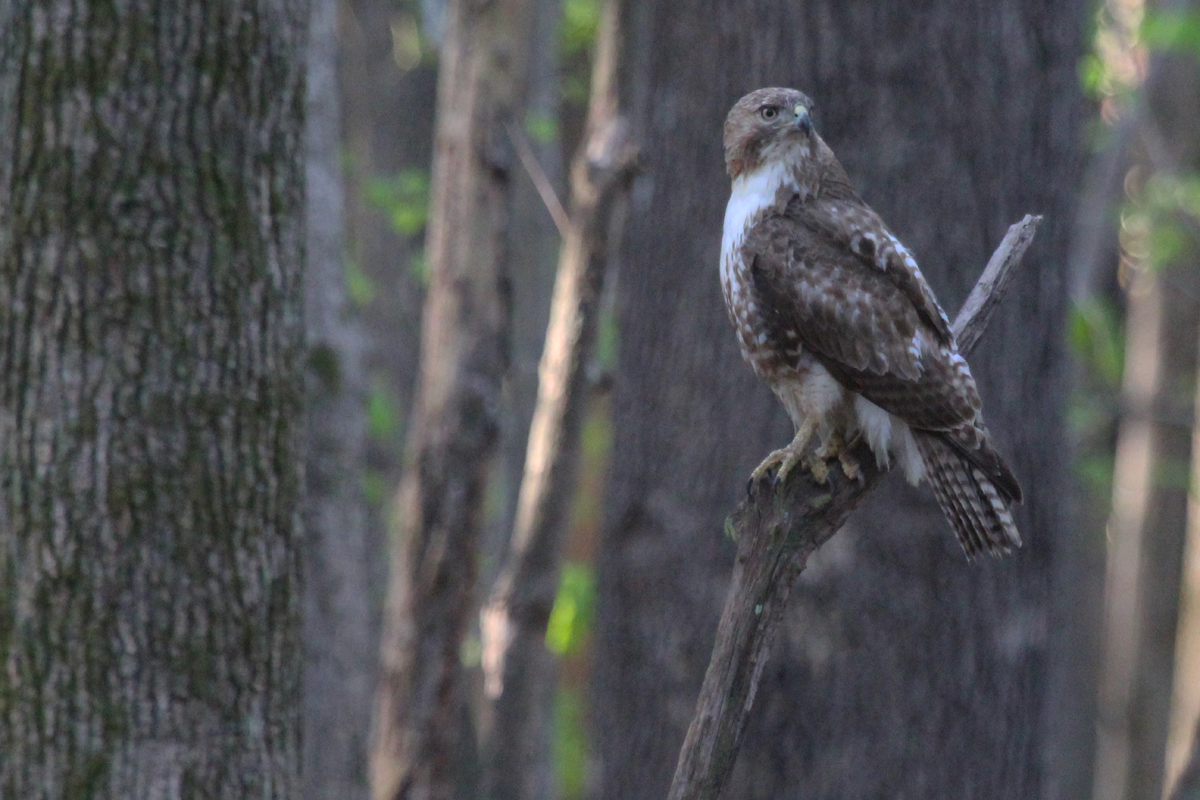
151	224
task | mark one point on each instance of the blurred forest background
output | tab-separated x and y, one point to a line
370	416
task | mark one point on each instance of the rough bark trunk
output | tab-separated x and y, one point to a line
519	670
151	237
340	616
419	737
900	668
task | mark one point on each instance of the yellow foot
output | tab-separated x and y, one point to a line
784	458
837	446
787	457
819	469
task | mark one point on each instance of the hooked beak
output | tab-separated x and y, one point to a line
803	120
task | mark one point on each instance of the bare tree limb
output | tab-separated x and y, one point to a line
513	623
776	530
541	181
993	284
420	747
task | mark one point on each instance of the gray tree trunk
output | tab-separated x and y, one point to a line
341	614
151	238
901	670
421	750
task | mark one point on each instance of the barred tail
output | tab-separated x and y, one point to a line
976	503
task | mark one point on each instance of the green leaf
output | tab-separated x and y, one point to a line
580	19
408	45
359	285
374	487
1096	473
383	415
1092	74
569	742
1159	215
1095	335
571	616
1175	32
607	339
541	127
1168	242
404	198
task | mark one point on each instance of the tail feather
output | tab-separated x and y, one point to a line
952	496
977	507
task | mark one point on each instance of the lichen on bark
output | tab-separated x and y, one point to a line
151	199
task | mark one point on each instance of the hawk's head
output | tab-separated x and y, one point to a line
767	124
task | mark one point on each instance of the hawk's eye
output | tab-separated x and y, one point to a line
768	113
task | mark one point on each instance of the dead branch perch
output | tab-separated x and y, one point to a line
776	531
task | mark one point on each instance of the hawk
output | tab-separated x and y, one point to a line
833	313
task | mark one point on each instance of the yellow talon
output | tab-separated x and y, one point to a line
819	470
788	457
835	445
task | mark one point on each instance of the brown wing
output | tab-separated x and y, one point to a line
862	326
846	220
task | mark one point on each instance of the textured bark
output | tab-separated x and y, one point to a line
776	530
340	617
900	670
419	741
519	670
151	236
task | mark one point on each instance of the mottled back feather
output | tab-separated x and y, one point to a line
832	310
874	332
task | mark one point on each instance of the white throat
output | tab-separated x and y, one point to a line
752	193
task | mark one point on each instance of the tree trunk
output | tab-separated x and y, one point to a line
1147	534
1183	757
151	237
1148	528
901	670
519	670
420	742
340	617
